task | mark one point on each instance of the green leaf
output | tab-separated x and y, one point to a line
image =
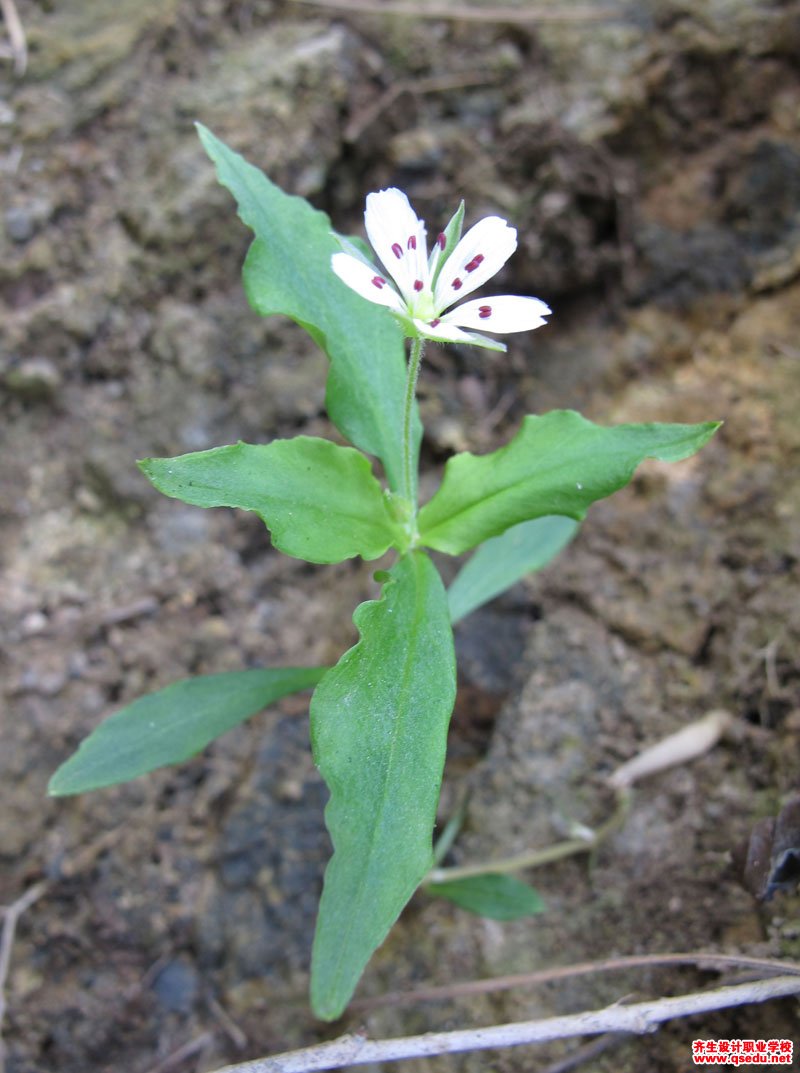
378	729
321	502
501	561
558	463
288	271
499	897
173	724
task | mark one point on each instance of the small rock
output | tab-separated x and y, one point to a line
417	149
34	623
19	224
47	683
238	870
88	501
22	221
34	379
176	986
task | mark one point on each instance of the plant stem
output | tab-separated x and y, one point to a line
535	858
414	362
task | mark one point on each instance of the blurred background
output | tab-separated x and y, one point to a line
649	155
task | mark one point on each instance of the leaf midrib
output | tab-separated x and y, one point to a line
479	501
285	501
401	692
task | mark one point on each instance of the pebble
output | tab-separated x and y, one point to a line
20	224
34	623
176	986
34	379
23	221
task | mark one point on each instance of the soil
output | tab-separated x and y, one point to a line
651	160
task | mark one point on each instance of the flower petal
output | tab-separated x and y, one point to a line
442	332
398	237
366	281
481	252
504	313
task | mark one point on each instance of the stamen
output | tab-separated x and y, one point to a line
475	262
379	281
397	250
418	285
484	312
457	284
441	240
412	242
434	322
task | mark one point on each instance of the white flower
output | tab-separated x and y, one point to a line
421	288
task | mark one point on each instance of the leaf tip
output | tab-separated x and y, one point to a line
326	1010
56	786
204	134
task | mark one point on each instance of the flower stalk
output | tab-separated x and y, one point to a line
409	474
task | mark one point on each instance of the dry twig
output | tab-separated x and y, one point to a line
689	743
586	1053
16	36
435	84
465	13
188	1050
12	913
638	1019
564	972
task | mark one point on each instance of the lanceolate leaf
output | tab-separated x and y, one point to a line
288	270
501	561
173	724
499	897
321	501
559	463
378	728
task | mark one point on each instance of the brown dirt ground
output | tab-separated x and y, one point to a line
652	164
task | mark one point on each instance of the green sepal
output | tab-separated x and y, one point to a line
452	236
321	501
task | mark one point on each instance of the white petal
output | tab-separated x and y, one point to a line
504	313
363	278
449	333
481	252
441	332
398	237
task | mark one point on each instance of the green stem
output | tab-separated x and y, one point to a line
537	857
414	362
